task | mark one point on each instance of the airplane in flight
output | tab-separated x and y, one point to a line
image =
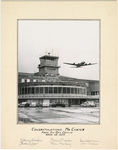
81	64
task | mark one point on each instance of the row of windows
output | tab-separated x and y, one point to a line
48	59
33	80
51	69
50	90
95	93
28	80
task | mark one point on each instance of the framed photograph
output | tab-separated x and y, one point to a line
59	75
49	91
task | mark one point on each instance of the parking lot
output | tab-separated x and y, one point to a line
59	115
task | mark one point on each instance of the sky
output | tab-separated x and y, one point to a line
74	41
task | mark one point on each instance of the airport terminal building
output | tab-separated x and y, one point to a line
47	86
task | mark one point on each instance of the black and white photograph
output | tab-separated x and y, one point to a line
58	71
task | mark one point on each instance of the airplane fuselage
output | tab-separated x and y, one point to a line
80	64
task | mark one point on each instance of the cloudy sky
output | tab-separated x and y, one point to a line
73	41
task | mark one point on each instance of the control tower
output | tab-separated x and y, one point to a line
48	65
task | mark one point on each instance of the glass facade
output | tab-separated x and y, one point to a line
29	90
55	89
75	90
32	90
51	90
64	90
41	90
68	90
72	90
37	90
46	89
59	89
25	90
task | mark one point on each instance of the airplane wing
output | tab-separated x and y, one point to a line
89	64
70	64
77	67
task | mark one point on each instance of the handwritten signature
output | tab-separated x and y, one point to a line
89	142
60	141
31	142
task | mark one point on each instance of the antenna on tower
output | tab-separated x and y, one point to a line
46	51
52	52
58	53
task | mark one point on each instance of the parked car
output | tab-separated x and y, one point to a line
19	105
88	104
33	104
45	103
24	104
58	104
38	105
